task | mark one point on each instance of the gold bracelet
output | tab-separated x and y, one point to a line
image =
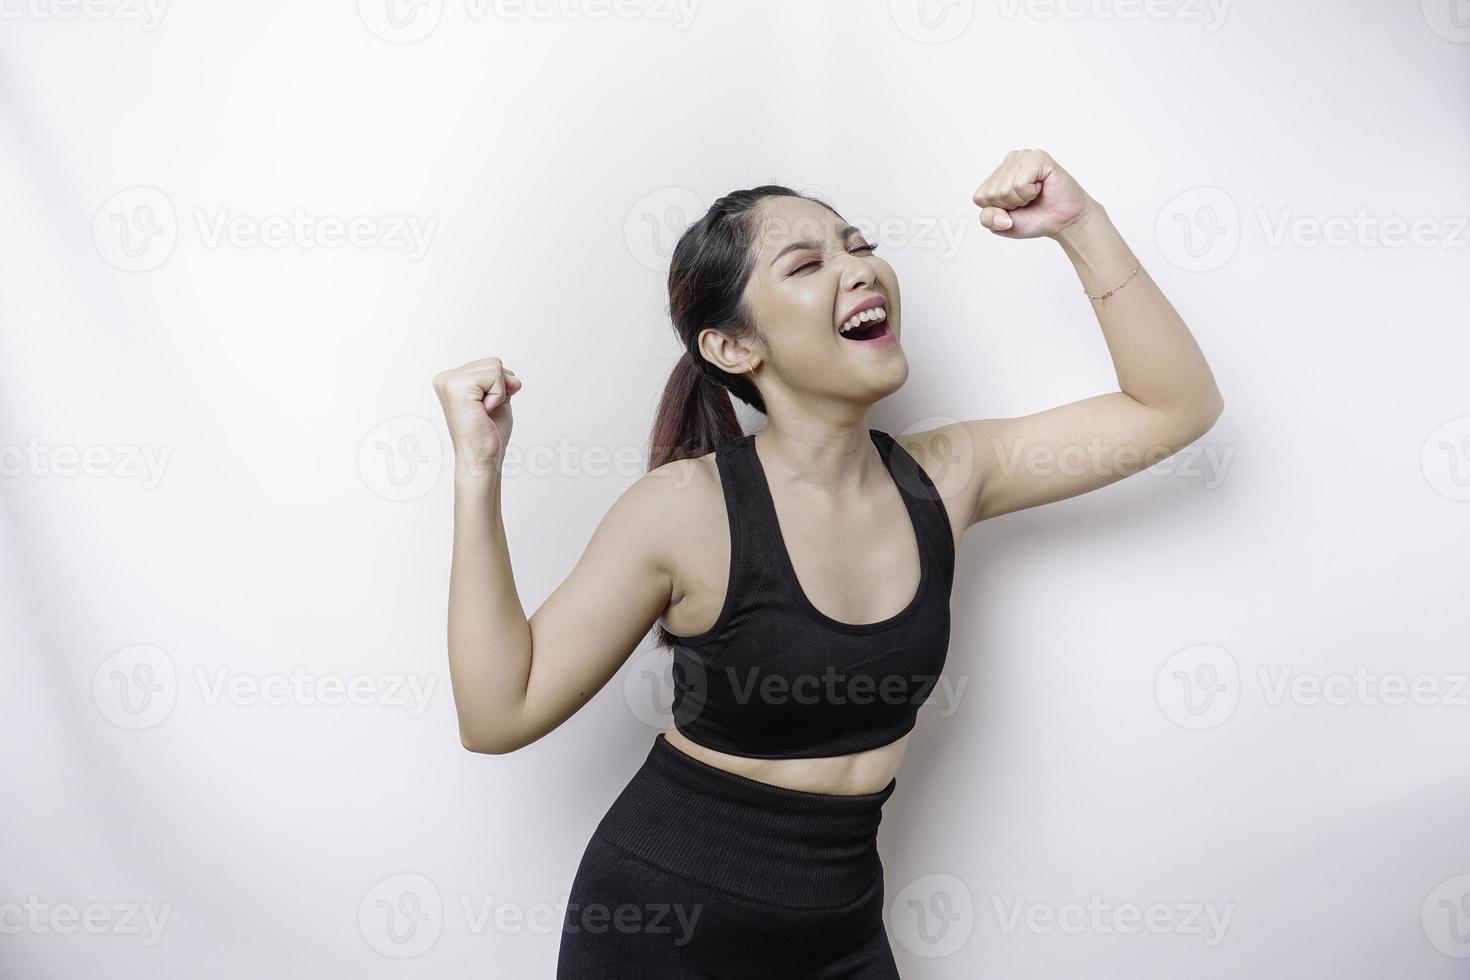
1115	288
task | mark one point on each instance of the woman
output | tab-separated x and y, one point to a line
802	575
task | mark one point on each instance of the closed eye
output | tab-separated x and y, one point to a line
860	247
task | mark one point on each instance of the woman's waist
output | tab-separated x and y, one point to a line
859	773
747	837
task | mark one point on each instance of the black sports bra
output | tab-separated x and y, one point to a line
774	677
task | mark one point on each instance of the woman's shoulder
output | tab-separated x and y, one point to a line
683	486
685	511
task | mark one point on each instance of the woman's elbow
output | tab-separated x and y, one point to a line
488	744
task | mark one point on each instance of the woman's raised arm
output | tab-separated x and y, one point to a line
1166	397
516	678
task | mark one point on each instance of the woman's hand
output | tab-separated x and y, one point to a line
476	401
1029	195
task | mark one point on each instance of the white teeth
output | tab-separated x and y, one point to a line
867	316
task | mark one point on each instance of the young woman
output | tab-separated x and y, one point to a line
801	575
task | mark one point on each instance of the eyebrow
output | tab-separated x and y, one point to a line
845	231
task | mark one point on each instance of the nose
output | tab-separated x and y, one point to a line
858	273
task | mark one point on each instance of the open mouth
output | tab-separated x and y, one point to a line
869	325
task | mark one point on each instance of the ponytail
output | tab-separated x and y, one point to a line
695	414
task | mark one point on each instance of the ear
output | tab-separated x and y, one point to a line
729	354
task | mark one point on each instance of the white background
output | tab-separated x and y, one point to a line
296	516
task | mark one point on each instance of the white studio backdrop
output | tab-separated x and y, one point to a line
1210	721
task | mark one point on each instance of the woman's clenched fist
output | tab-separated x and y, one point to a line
1029	195
476	402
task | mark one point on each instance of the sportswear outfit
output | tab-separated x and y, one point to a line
698	872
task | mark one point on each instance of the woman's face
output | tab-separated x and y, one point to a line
811	271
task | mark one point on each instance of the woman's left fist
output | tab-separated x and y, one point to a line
1029	195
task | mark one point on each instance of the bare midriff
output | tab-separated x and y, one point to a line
845	775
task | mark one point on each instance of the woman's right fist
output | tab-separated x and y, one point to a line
476	402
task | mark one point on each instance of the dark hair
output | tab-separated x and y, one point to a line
711	265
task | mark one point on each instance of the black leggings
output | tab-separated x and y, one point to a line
697	873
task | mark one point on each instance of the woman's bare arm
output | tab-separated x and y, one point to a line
516	679
489	635
1166	397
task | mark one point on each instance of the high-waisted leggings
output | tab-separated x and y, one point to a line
697	873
